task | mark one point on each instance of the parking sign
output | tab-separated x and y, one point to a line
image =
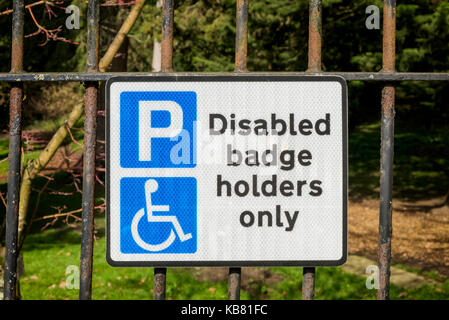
226	170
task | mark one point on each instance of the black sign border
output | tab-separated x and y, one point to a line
233	78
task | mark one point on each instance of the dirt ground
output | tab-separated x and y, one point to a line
420	239
420	233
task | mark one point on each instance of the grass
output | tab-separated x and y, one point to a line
426	273
49	254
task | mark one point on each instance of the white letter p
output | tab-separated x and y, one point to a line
146	132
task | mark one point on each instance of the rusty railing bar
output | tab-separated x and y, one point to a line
104	76
160	274
14	154
167	36
314	66
90	124
315	31
308	283
234	283
241	36
160	278
386	152
240	65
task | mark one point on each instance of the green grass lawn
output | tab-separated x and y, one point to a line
48	254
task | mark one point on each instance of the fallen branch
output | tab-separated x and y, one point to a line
121	34
33	168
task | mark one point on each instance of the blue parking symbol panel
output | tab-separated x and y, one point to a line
158	215
157	129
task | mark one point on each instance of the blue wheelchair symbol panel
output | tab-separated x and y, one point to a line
158	215
157	129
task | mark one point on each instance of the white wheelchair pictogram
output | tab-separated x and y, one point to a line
151	186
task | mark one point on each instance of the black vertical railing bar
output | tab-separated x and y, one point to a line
90	124
386	151
14	154
313	65
241	57
160	274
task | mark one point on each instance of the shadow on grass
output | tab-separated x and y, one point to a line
51	238
421	162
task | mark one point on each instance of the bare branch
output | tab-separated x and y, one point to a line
121	34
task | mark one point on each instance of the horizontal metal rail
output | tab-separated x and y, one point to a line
103	76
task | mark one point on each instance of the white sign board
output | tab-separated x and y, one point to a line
226	170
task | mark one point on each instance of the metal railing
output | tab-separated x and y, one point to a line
92	77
